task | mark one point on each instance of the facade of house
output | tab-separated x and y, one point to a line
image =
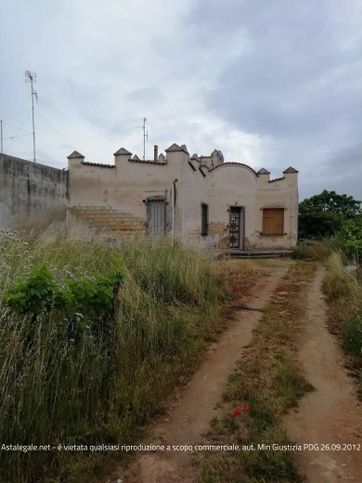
195	199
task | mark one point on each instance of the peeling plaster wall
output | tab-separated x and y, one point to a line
30	191
127	184
281	193
194	193
232	185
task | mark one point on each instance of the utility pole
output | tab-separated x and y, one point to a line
31	77
2	138
145	136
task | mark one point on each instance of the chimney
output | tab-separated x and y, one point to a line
155	152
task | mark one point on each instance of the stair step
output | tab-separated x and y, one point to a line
108	220
252	253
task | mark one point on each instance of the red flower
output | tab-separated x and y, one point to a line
246	408
236	412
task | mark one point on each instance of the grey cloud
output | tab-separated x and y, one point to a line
296	82
292	90
347	161
145	94
297	75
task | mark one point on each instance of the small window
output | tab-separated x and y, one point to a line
273	221
204	219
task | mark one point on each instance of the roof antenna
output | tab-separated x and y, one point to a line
145	136
31	77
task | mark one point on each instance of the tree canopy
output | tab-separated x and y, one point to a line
323	215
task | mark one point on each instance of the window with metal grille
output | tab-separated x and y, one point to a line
273	221
204	219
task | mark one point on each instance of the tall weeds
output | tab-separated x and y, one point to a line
54	390
344	296
341	288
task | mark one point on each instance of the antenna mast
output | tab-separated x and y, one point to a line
145	136
31	77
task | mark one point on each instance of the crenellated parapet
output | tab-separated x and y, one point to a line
182	194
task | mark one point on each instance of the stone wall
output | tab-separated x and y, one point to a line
30	193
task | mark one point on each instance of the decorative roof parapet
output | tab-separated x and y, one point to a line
175	147
122	152
290	170
233	163
162	159
75	155
147	161
99	165
262	171
277	179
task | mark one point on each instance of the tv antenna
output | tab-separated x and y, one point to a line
145	136
31	77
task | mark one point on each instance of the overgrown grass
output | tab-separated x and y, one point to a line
267	382
316	250
57	388
344	296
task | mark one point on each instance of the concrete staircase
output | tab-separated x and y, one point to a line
103	219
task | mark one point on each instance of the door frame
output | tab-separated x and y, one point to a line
148	201
241	211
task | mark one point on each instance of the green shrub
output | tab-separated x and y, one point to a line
350	238
352	336
84	362
316	250
300	252
344	295
34	295
90	301
338	284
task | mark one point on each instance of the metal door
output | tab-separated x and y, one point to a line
236	227
156	217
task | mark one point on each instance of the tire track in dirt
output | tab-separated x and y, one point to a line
188	415
331	413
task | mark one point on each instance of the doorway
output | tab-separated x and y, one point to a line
236	227
156	217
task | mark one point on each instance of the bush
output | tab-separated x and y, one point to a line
316	250
300	252
352	336
344	294
83	362
338	284
350	238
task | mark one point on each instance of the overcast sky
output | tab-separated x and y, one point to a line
272	83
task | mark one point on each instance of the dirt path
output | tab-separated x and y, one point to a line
331	413
189	414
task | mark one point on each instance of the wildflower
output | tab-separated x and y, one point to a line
236	412
246	408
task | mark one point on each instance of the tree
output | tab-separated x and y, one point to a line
323	215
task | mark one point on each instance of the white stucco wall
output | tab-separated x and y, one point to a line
193	190
126	185
231	185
